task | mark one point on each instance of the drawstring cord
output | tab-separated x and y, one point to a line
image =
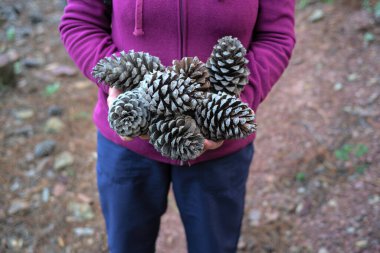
139	18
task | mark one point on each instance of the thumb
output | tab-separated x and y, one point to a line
112	95
210	145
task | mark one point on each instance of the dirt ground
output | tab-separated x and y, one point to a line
314	184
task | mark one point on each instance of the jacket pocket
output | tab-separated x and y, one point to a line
119	164
227	173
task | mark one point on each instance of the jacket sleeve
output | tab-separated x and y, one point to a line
85	32
269	52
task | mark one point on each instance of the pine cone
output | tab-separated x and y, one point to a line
228	66
177	137
129	114
127	70
222	116
171	93
193	68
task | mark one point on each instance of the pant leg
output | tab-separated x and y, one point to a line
133	194
210	198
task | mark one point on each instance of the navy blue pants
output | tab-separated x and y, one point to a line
133	195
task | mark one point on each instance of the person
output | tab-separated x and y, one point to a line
133	179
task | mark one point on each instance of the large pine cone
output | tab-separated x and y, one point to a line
129	114
171	93
127	70
228	66
222	116
193	68
177	137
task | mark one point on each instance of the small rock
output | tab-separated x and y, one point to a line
15	185
373	200
350	230
242	245
317	15
362	244
44	148
61	70
24	113
352	77
55	110
338	86
320	169
59	189
33	62
63	160
18	206
36	17
84	198
323	250
15	243
332	203
80	85
54	125
272	216
61	242
90	241
254	217
299	208
169	239
301	190
26	131
45	194
83	231
80	211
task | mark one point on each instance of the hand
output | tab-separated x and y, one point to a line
211	145
112	95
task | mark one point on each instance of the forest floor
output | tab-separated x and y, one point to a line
314	184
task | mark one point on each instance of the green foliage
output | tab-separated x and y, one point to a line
369	37
302	4
360	150
52	89
377	10
300	176
17	67
11	33
369	6
366	5
361	168
346	150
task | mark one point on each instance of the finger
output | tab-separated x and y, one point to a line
113	93
144	137
125	138
210	145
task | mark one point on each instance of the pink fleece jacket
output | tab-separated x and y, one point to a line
174	29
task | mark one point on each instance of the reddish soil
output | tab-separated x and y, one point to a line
314	184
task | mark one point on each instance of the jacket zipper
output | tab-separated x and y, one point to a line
182	47
181	38
181	27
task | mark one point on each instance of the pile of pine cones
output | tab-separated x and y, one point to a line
181	105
